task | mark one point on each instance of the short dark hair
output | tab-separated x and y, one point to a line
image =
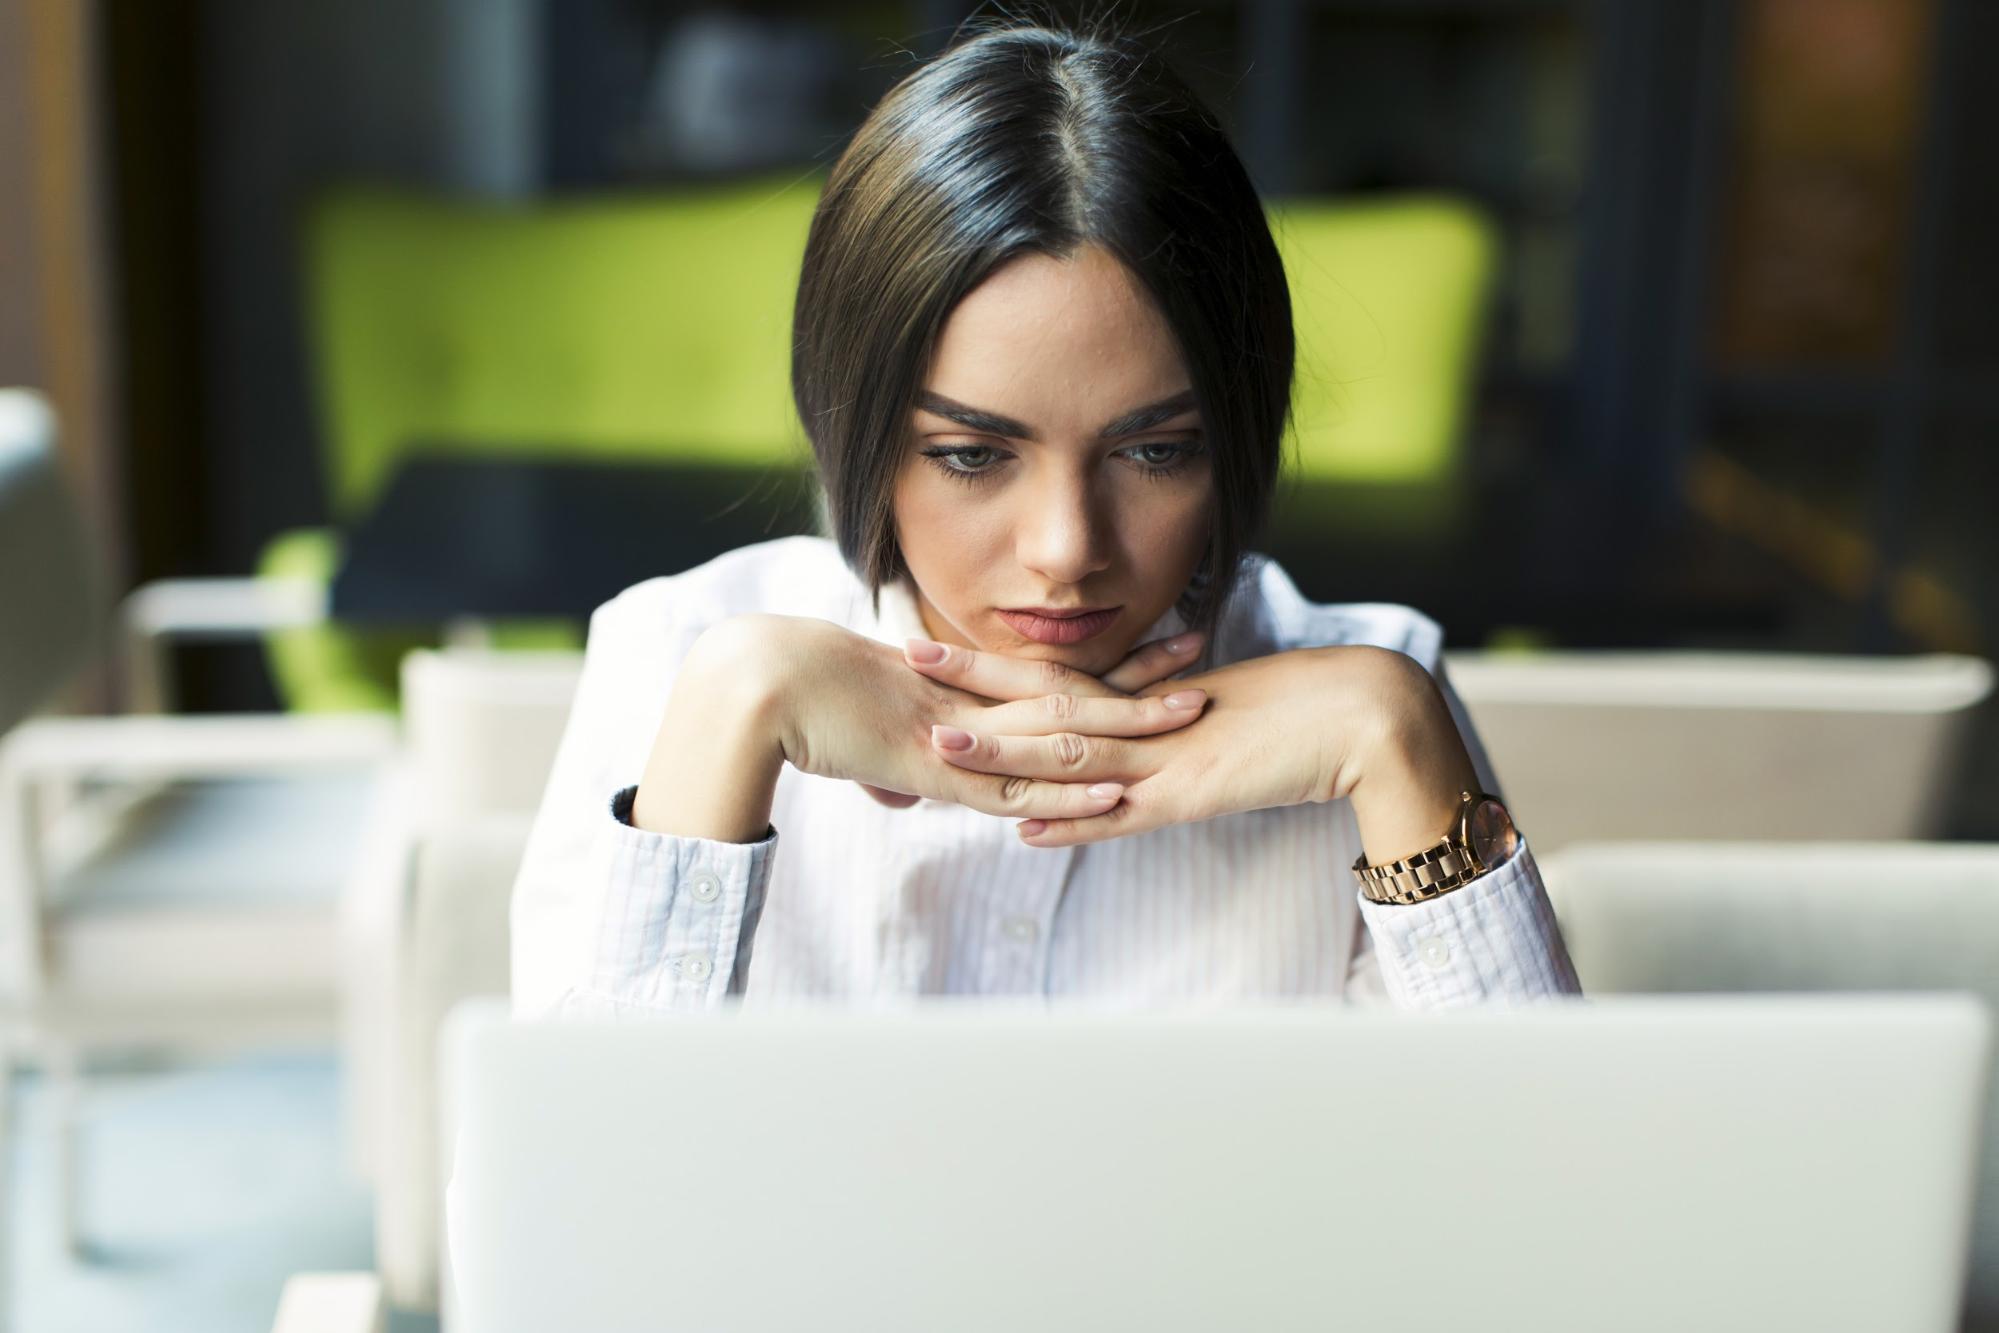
1036	139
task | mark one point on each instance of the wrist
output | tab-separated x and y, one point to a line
715	760
1400	819
1407	794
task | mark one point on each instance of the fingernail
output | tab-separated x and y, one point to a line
1185	643
950	737
1032	827
925	651
1185	698
1107	791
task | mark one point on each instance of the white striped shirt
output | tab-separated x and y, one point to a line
866	902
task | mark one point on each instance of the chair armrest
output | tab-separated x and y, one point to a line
204	609
222	608
201	745
454	947
331	1303
374	908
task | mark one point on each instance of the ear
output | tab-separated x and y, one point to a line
894	800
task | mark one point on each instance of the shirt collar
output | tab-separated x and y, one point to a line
899	619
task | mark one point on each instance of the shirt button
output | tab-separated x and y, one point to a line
696	969
705	887
1434	952
1021	928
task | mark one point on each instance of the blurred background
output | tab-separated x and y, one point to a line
1625	324
1733	335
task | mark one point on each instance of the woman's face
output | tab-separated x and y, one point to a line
1055	462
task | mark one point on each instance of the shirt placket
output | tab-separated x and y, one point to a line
1018	935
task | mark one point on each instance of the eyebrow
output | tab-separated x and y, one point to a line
992	423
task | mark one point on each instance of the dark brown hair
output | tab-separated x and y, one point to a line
1031	139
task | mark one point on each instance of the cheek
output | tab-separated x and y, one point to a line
942	532
1170	529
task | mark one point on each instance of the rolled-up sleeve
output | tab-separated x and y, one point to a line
1492	940
678	918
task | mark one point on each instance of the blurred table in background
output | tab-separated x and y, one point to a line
458	537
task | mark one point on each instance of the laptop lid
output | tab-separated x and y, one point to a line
1636	1163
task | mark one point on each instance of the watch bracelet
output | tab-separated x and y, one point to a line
1435	870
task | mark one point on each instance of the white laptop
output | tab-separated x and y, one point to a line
1755	1163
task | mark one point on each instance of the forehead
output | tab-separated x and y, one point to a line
1062	343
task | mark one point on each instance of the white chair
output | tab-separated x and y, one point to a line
431	928
1727	917
1655	745
331	1303
169	883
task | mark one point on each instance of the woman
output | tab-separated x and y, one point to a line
1033	720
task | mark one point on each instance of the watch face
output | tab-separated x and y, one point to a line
1492	834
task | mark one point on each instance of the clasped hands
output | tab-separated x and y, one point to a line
1285	729
1078	758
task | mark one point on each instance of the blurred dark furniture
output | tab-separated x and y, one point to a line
506	537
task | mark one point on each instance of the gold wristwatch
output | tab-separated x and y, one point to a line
1483	837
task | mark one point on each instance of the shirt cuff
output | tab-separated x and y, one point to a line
679	915
1491	939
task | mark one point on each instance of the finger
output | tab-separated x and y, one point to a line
1092	716
997	676
894	800
1154	661
1138	812
1030	798
1062	757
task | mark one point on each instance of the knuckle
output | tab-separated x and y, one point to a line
1054	675
1014	792
1061	706
1070	749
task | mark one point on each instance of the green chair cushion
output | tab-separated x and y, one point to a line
624	327
1388	300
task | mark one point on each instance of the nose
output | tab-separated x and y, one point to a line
1062	536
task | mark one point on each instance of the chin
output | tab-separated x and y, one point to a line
1092	656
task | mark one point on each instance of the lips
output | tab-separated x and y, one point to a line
1045	628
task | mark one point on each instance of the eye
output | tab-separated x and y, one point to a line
968	462
1161	458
